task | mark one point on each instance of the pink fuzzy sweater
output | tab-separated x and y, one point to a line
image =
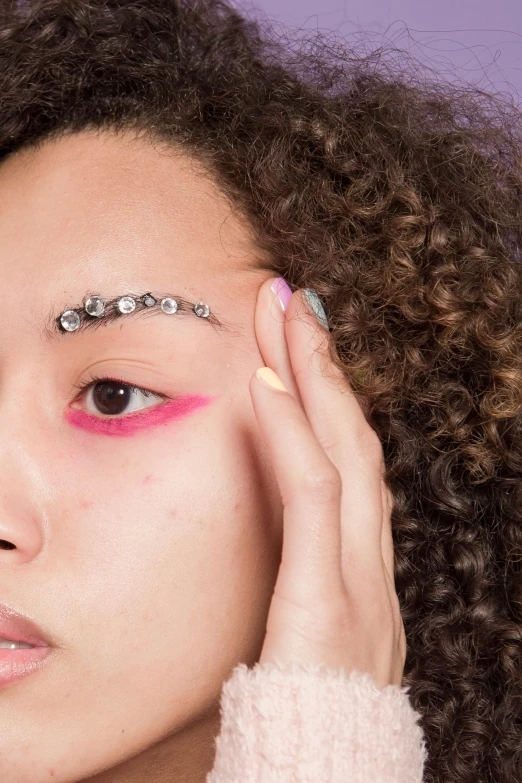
309	724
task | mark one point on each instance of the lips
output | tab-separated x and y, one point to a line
20	629
18	662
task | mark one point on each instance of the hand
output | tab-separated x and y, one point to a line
334	601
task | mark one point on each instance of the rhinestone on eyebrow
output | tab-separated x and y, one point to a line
95	307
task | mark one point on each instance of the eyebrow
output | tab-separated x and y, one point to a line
53	329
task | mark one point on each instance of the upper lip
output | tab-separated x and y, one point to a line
15	626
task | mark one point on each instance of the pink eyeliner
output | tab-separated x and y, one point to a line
132	423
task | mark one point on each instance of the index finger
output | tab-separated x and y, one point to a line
310	488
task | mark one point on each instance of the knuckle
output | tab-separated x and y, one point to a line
330	443
339	615
375	607
389	499
371	446
329	619
322	483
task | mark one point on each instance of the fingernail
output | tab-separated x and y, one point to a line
282	291
316	306
268	376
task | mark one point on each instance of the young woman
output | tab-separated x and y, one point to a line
240	542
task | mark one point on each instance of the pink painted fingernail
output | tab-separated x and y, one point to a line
283	292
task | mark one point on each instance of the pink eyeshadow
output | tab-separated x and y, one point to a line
132	423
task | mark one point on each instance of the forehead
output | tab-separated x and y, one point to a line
108	211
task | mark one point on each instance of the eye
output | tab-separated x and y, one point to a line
111	397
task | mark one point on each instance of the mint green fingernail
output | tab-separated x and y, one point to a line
315	304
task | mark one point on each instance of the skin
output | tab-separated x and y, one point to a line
294	562
153	575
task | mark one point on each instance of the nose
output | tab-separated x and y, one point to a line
21	524
21	534
22	495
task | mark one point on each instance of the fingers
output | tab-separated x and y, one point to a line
270	335
310	488
295	346
387	548
337	560
348	440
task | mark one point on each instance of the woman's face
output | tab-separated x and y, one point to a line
147	554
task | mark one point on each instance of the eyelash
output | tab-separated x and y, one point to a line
94	379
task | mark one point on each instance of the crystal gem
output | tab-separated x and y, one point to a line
126	304
169	305
201	309
70	320
95	305
148	300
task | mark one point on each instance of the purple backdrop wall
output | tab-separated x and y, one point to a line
479	40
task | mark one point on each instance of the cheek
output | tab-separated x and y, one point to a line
180	563
191	514
160	570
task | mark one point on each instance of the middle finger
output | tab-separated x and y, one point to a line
343	431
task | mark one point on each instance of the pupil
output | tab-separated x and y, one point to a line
111	398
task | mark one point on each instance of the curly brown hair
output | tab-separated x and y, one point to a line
399	200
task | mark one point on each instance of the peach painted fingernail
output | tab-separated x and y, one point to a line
282	291
268	376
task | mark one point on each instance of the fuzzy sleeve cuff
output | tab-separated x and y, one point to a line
308	724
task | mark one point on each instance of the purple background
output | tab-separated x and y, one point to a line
472	40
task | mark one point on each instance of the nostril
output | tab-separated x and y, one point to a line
6	544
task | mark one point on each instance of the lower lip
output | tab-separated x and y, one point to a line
20	662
